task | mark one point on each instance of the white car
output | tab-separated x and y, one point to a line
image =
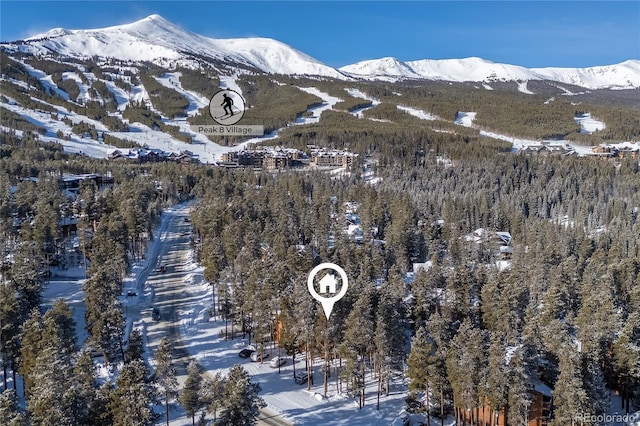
277	361
257	357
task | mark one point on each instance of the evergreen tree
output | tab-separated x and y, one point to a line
31	346
52	397
190	396
358	341
570	397
465	365
441	332
165	374
26	278
59	320
626	358
133	396
104	316
135	349
390	335
241	404
86	390
497	383
213	393
102	412
10	412
521	379
10	322
420	361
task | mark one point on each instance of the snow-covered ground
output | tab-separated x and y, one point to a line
229	82
357	93
328	102
522	87
196	101
422	115
77	144
588	125
201	335
519	143
465	118
207	151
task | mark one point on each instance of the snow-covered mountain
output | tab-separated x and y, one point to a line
157	40
625	75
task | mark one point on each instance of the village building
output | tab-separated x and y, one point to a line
322	157
548	148
621	150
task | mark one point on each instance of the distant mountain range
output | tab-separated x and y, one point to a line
157	40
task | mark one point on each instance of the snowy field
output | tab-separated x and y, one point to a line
588	125
422	115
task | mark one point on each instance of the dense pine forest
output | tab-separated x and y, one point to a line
566	311
478	329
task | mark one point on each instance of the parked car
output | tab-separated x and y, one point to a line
258	357
277	361
301	378
155	314
246	353
131	293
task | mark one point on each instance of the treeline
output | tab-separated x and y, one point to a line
166	100
69	86
138	112
15	121
271	103
119	142
202	82
401	142
329	86
502	110
100	89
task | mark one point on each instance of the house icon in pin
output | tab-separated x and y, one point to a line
328	284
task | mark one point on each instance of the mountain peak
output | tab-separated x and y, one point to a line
154	17
387	66
156	39
54	32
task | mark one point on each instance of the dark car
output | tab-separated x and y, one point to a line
301	378
246	353
155	314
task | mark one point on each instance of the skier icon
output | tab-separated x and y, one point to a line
227	103
226	107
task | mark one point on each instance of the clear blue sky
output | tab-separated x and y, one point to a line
527	33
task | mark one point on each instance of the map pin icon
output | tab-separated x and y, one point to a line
328	284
